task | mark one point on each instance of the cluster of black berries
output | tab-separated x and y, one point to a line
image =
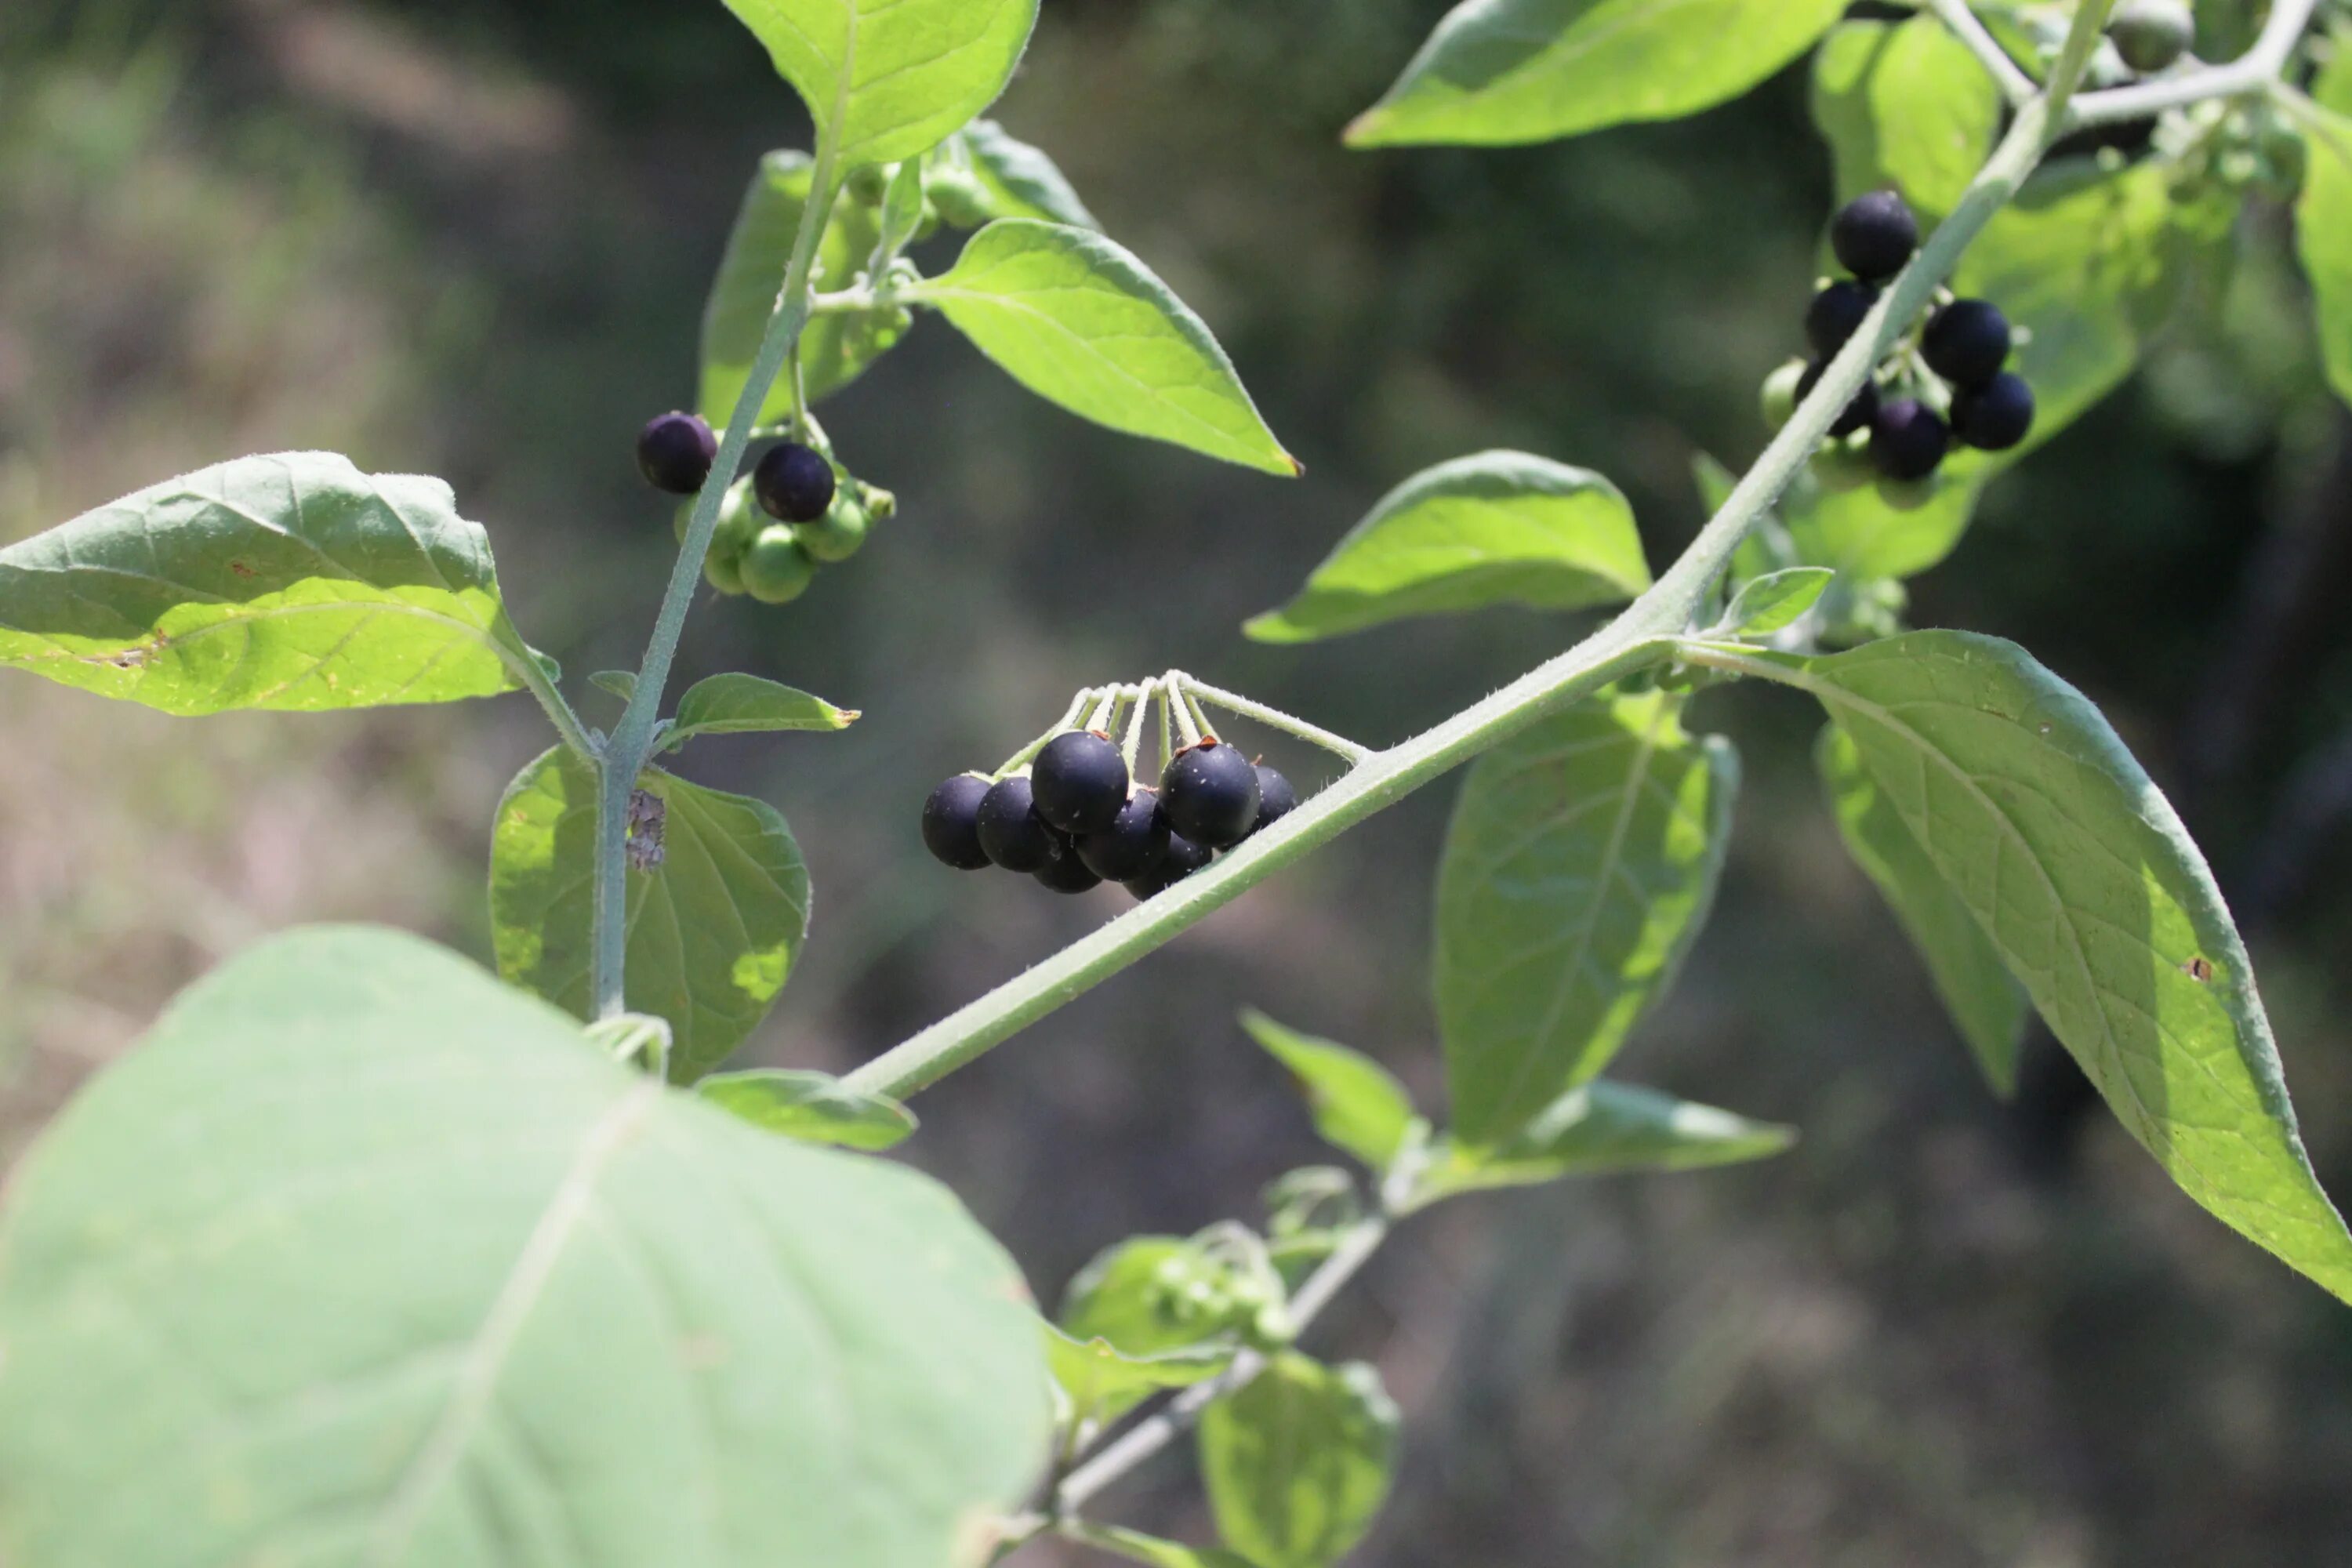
792	515
1965	344
1074	820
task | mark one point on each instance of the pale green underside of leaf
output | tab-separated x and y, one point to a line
1606	1129
291	582
1580	862
1298	1460
814	1107
2077	870
713	932
1021	181
1503	71
2324	220
1904	105
1081	323
1357	1104
891	77
1777	599
1985	1004
1104	1384
1497	528
366	1259
739	704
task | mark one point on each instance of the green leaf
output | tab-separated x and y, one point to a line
1017	180
1137	1547
1150	1295
1904	104
1298	1460
814	1107
1604	1129
835	348
1987	1006
902	206
1499	528
890	78
737	704
1104	1384
293	581
713	930
1777	599
1581	859
1497	72
365	1257
2077	867
1357	1104
2323	218
1861	534
1081	323
620	683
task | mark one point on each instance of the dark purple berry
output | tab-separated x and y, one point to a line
1066	873
1836	314
1133	842
1210	794
1996	416
1859	412
1275	798
1011	832
675	453
1907	441
793	482
1181	858
1873	235
1967	343
951	823
1080	781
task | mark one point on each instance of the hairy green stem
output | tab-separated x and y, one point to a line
550	699
1275	718
2014	84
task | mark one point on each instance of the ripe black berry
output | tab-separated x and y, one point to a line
675	453
1181	858
951	823
1835	315
1066	873
1080	781
1859	412
1873	235
793	482
1997	416
1133	842
1275	798
1906	440
1210	794
1013	833
1967	343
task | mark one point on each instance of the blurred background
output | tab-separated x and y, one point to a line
471	237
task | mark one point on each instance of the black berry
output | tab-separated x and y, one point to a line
1210	794
1181	858
951	823
675	453
1133	842
1275	798
793	482
2152	34
1013	833
1967	343
1835	315
1859	412
1873	235
1066	873
1080	782
1996	416
1906	440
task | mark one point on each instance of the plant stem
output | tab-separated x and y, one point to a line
1274	718
1068	721
2015	85
551	697
2253	71
624	753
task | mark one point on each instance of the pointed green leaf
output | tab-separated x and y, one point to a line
902	207
1579	868
2322	216
1149	1550
364	1258
714	929
1499	528
1904	104
1986	1005
1604	1129
1017	180
1298	1460
1777	599
1104	1384
293	581
890	78
1357	1104
2077	867
814	1107
620	683
1081	323
738	704
1497	72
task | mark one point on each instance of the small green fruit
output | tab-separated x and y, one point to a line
723	569
1843	465
870	183
776	570
2152	34
838	534
1780	399
959	197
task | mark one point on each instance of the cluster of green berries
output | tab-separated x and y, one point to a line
1200	1299
793	513
1074	819
1955	387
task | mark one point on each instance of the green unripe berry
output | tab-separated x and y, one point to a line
880	505
776	570
2152	34
960	198
868	184
838	534
1779	397
1843	465
723	569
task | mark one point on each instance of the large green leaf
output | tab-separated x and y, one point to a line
367	1258
2324	217
1298	1460
1079	322
1357	1103
1904	104
1581	859
1502	71
1499	528
289	582
1017	180
1986	1005
713	930
834	350
1604	1129
890	79
2077	867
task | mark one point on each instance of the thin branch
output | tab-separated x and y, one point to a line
2255	71
2015	85
1275	718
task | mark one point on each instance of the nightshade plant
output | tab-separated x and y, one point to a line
366	1256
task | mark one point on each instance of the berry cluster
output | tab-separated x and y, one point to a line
791	515
1948	382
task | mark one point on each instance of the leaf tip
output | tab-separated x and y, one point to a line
1364	131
